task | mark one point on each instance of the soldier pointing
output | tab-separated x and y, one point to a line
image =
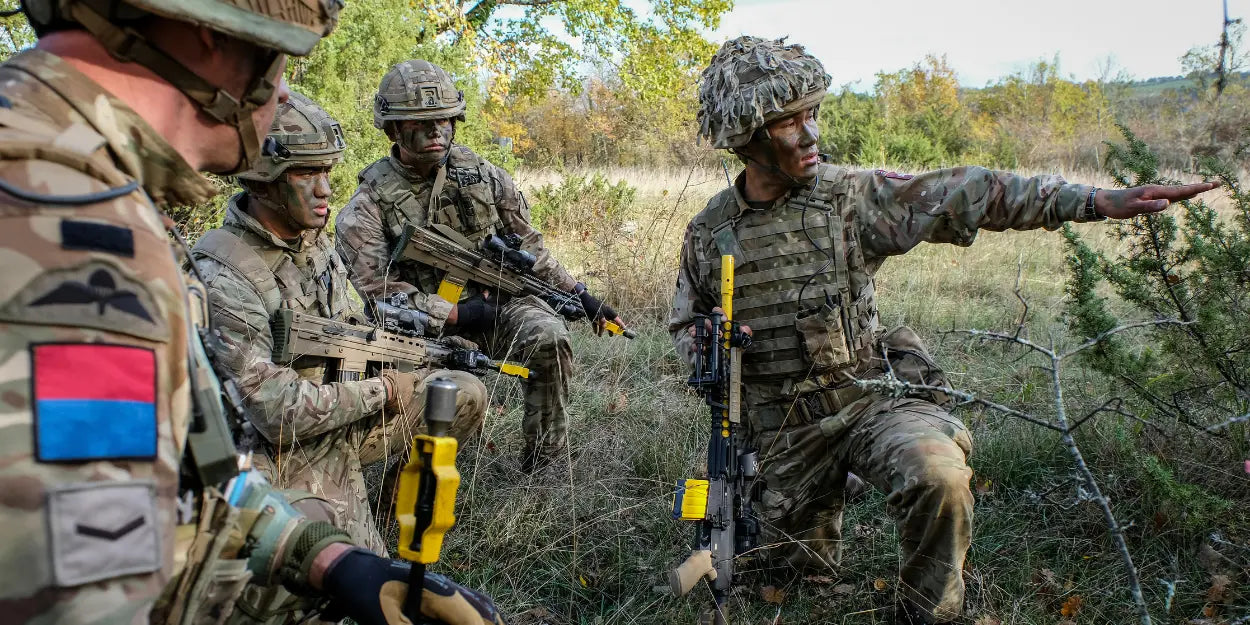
808	238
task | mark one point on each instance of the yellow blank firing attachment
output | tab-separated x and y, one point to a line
611	327
508	368
690	500
727	286
426	504
450	289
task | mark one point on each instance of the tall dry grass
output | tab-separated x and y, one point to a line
588	540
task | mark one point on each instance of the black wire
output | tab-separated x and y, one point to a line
828	253
70	200
10	12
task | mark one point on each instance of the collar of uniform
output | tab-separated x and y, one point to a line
404	170
740	201
138	149
241	219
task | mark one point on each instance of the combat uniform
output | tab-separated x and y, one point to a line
96	398
825	241
476	199
311	434
804	285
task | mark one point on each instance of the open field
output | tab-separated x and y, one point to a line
587	541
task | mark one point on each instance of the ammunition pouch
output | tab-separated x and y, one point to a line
822	334
214	576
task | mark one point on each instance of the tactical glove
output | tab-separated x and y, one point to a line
371	590
401	391
595	309
475	315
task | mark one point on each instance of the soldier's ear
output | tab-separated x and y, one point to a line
392	133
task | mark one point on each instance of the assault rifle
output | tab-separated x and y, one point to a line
357	350
497	263
721	504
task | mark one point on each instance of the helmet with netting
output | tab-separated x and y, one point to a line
418	90
752	81
302	135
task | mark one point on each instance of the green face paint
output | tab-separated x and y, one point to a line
424	143
305	193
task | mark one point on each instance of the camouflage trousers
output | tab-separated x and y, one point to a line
325	480
912	450
531	333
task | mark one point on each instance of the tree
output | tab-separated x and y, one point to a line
15	33
1193	269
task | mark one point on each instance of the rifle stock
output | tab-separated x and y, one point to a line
721	504
508	270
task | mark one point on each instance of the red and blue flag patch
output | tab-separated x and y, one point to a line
94	401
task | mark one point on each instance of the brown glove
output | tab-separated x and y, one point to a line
401	391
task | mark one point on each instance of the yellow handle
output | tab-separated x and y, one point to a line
438	455
727	286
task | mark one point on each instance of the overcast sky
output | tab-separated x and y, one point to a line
986	39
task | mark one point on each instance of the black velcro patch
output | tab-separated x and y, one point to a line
97	237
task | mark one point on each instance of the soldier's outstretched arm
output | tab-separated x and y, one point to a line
361	241
898	212
281	405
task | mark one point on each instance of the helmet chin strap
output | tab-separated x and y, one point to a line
129	45
765	140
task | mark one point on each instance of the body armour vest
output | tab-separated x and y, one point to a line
312	281
461	197
807	248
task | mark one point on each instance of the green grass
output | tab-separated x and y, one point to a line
588	541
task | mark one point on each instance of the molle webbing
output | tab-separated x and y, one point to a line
228	249
776	258
466	196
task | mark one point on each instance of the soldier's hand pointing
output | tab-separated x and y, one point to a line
1151	198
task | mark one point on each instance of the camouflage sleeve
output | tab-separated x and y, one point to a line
281	405
898	212
360	239
515	213
692	295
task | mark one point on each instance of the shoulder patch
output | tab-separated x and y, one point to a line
95	294
97	237
894	175
93	401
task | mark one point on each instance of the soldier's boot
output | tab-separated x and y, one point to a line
856	488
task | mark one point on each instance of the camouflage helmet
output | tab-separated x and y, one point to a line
286	27
752	81
417	89
291	27
302	135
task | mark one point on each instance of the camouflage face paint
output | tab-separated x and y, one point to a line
424	143
793	142
305	193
